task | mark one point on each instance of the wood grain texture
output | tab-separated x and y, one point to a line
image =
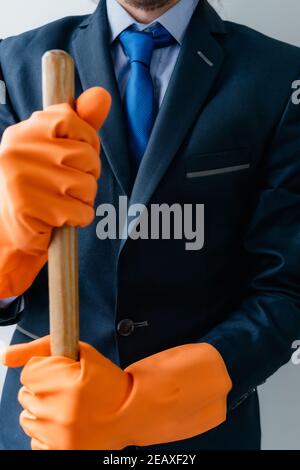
58	87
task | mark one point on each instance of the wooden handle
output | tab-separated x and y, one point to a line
58	87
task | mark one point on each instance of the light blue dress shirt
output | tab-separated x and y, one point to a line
175	21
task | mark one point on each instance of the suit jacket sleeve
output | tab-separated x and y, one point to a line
256	339
8	117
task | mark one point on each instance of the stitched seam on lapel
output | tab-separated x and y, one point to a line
26	333
217	171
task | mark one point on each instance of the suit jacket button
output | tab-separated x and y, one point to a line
125	327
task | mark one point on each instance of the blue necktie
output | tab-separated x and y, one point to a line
139	102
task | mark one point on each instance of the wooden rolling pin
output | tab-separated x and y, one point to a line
59	87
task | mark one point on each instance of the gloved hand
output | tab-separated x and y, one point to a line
49	166
93	404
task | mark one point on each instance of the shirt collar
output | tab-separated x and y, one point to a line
175	20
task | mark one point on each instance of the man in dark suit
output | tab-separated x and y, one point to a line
201	114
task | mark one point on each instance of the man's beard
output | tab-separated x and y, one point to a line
148	5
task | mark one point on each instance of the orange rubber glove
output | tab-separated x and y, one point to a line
93	404
49	166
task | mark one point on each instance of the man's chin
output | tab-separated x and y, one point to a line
148	5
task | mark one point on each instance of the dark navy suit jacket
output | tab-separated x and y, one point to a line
241	291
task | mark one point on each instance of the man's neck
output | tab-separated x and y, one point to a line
146	16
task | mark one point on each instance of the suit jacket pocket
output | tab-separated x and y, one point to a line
217	163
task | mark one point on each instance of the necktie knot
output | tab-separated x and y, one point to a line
139	45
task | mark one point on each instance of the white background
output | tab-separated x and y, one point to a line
278	18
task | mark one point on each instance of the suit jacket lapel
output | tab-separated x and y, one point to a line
91	51
197	67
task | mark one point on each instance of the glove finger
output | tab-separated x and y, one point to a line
55	153
19	355
93	106
46	375
29	415
43	405
26	400
33	428
72	212
59	121
81	157
83	188
28	423
38	445
68	182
